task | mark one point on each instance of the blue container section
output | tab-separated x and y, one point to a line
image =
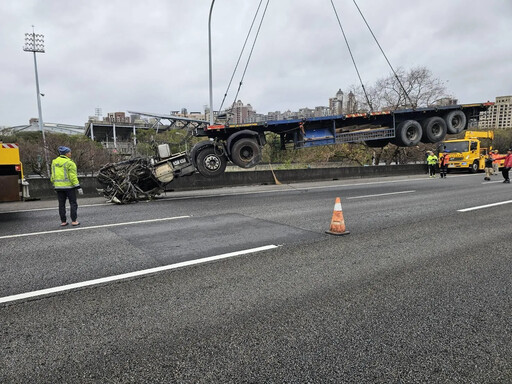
322	136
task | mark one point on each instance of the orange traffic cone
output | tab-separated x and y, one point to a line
337	223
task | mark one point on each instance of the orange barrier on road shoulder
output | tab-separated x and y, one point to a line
337	223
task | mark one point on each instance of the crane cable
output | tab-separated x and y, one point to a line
240	56
352	56
390	66
250	53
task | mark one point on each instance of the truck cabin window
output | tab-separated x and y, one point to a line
459	146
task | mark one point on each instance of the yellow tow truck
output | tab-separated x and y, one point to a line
14	187
469	153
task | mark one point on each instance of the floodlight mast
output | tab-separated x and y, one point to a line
35	43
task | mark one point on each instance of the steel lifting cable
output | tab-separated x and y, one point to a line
240	56
250	53
352	56
390	66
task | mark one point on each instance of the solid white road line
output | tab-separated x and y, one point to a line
129	275
484	206
67	229
378	195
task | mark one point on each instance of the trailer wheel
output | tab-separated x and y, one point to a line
408	133
434	130
246	153
211	162
474	167
455	121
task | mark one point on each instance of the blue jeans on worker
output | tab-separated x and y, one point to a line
69	194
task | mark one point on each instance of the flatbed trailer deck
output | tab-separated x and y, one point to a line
349	128
242	143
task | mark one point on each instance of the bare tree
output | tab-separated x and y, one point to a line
420	89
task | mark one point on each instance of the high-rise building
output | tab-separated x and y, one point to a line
498	116
351	103
336	103
241	113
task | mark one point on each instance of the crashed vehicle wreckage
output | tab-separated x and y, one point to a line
143	178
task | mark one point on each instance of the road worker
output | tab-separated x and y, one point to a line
443	164
431	162
65	181
506	165
495	163
488	167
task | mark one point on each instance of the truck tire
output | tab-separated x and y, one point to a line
434	129
455	121
246	153
474	167
210	162
408	133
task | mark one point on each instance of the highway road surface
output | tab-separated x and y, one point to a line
243	285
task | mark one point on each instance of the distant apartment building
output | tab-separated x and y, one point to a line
192	115
305	113
341	105
321	111
498	116
336	103
241	113
351	105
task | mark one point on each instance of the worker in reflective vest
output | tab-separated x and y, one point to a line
431	162
65	181
443	164
495	163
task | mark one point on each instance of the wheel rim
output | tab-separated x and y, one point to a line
412	133
211	162
247	153
436	130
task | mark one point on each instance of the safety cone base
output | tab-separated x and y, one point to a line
337	233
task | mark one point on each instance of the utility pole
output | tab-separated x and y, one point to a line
210	61
35	44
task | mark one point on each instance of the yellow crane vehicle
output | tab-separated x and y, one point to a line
470	152
13	186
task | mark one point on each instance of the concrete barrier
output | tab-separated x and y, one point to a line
41	188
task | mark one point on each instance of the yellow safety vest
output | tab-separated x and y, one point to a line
432	159
64	173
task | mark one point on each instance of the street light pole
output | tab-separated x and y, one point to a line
210	60
35	43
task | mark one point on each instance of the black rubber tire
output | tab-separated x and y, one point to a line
408	133
377	143
455	121
246	153
474	167
211	162
434	130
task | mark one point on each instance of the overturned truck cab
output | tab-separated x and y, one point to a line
143	178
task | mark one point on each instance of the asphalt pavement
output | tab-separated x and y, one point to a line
420	291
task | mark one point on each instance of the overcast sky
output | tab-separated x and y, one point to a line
152	55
